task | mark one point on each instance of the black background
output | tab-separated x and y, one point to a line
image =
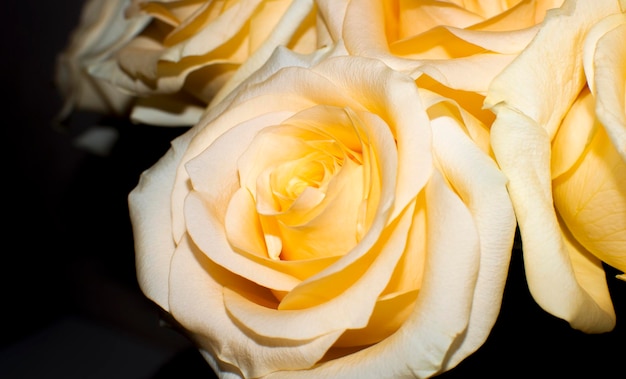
69	301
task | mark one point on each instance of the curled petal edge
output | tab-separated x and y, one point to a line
522	149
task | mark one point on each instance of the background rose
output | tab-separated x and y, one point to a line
461	44
102	30
320	221
562	148
454	48
191	49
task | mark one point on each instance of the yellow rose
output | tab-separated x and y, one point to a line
562	148
101	31
461	44
327	219
191	49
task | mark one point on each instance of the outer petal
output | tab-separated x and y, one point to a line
523	151
152	225
481	185
206	318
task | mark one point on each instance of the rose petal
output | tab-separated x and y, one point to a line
242	225
419	17
589	272
522	15
483	49
409	273
229	21
166	111
607	77
247	239
348	309
198	145
169	11
441	105
546	95
453	72
574	135
451	43
523	151
388	315
481	185
204	316
282	32
215	182
152	225
333	13
591	198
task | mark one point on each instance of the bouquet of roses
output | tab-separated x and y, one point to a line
345	200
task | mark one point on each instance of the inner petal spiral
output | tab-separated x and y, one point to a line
309	184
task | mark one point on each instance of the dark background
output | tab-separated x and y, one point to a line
70	304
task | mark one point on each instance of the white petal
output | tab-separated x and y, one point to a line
482	186
196	298
523	151
150	213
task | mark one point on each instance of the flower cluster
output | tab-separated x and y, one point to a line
345	199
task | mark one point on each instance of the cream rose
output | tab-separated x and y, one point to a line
101	31
460	44
327	219
195	52
559	136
